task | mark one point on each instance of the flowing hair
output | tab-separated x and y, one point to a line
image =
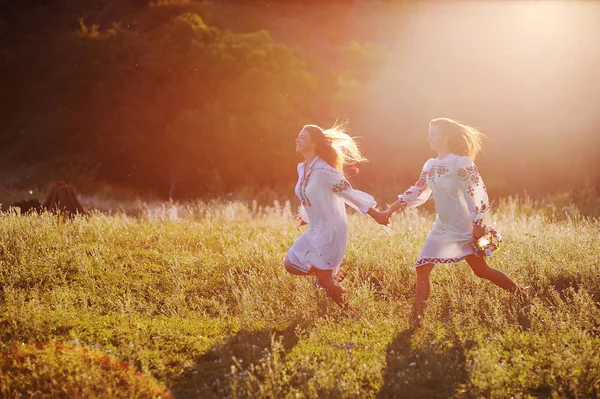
334	146
462	139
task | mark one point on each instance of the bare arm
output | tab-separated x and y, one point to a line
379	217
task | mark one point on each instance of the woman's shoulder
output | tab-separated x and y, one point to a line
324	166
463	160
428	163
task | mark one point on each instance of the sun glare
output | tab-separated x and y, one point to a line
523	60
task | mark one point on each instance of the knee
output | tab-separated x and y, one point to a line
287	265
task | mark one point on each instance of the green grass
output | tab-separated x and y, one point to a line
192	301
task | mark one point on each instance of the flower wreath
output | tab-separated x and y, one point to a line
488	243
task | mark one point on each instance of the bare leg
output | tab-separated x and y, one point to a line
340	276
482	270
423	287
421	292
290	268
333	289
325	279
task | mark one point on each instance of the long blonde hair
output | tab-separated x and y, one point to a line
462	139
334	146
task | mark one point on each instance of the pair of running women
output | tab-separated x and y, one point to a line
460	197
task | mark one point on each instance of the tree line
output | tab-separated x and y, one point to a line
191	99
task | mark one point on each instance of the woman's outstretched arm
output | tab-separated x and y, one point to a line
416	195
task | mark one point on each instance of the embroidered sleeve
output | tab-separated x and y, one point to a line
419	193
474	190
356	199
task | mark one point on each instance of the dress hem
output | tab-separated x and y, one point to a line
446	261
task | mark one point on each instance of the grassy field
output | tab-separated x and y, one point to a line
192	301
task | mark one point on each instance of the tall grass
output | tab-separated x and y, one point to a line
191	300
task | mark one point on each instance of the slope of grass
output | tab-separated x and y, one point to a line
192	301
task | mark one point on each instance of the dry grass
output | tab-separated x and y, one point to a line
192	300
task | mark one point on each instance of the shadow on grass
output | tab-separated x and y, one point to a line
429	372
211	375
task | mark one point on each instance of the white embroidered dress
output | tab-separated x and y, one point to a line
323	192
461	202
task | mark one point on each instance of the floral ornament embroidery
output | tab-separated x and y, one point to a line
424	261
441	169
303	197
421	184
436	171
341	186
403	204
470	172
481	209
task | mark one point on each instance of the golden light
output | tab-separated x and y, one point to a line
535	60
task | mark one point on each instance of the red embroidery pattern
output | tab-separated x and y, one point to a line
438	170
469	172
341	186
472	174
302	194
483	208
424	261
421	184
441	169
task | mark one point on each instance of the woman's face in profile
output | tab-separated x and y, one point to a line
436	139
303	142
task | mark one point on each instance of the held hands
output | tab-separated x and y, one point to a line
380	217
383	219
388	212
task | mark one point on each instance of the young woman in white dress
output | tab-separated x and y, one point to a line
324	192
461	202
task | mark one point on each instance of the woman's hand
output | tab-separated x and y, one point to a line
383	219
388	212
478	232
301	223
379	217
